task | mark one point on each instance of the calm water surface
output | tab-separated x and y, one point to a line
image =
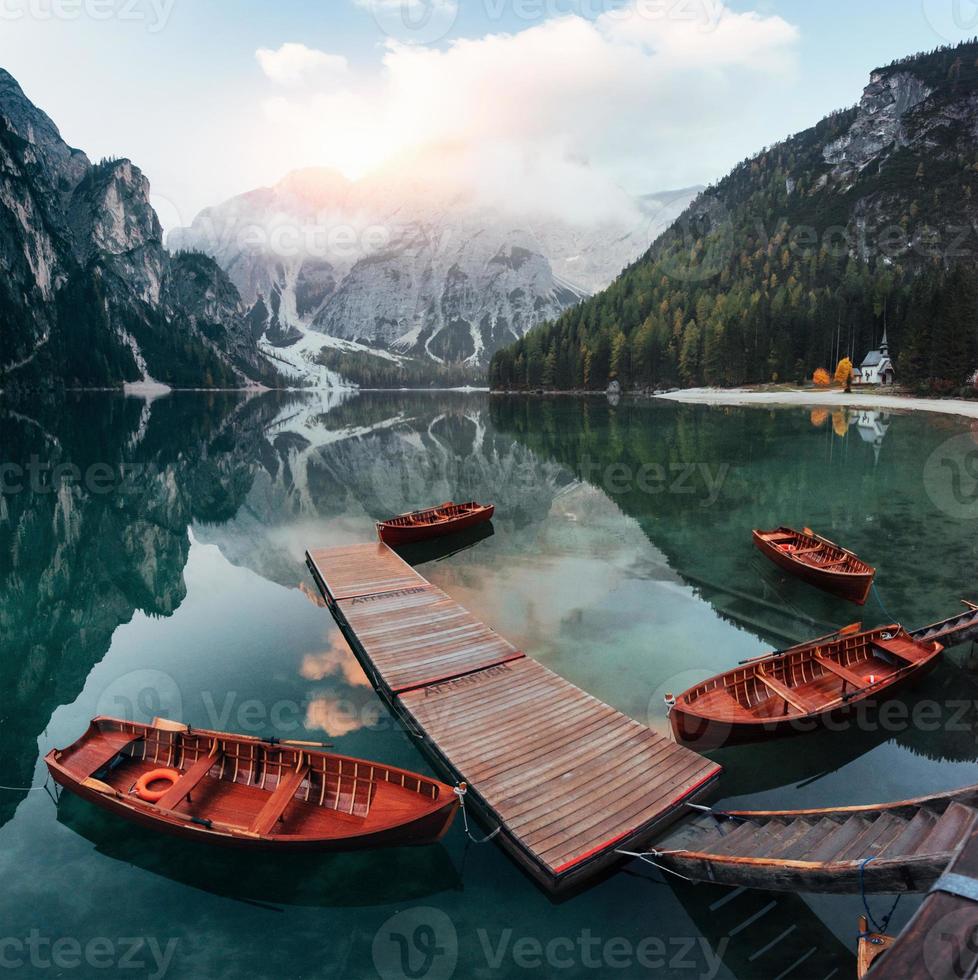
169	580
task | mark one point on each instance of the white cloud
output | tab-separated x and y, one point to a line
560	113
292	64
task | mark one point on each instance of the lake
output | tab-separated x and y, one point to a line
151	563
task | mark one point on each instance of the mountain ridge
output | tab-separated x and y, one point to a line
89	296
801	255
405	265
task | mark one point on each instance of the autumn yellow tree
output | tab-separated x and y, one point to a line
821	378
843	373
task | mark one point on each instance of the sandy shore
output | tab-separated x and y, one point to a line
826	399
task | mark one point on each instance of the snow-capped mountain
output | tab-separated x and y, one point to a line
408	266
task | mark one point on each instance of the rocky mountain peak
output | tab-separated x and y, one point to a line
880	122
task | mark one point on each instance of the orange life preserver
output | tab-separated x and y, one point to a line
143	791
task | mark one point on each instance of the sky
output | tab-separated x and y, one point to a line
565	103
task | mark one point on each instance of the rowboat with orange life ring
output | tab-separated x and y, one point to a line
153	778
250	792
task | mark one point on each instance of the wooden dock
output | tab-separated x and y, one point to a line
567	779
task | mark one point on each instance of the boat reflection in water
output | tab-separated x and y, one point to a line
438	549
347	880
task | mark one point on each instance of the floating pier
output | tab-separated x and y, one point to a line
567	779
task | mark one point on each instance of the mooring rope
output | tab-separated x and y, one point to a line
886	612
647	858
878	927
460	792
23	789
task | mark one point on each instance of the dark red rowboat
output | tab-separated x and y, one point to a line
818	561
792	692
245	792
420	525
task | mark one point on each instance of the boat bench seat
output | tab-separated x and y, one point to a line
796	700
721	701
847	675
903	649
188	782
100	753
272	811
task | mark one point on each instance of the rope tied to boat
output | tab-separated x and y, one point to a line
879	927
886	613
649	855
460	790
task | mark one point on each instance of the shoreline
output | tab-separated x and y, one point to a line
804	399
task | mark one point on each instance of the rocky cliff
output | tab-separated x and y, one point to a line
88	294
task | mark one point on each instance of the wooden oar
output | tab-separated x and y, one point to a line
838	634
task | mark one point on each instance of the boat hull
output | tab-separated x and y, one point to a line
427	829
823	683
394	535
706	734
242	792
854	587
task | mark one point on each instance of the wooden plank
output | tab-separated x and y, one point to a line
186	784
548	782
284	793
782	691
851	677
419	636
362	569
564	775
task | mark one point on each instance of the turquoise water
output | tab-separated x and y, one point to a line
151	563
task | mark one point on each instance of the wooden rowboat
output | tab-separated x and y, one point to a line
881	847
420	525
245	792
791	692
818	561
